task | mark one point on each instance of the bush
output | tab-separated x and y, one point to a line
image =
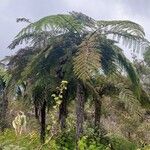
90	144
8	140
120	143
66	140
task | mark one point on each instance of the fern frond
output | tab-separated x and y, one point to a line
127	66
107	56
19	40
119	26
87	59
129	99
129	40
59	24
35	39
130	33
46	28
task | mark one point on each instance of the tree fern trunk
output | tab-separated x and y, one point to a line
63	113
98	113
79	111
43	122
36	111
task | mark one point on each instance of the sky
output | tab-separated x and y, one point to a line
134	10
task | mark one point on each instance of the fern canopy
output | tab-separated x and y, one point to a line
77	45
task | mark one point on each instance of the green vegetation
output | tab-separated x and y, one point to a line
76	86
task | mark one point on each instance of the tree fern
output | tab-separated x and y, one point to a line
81	41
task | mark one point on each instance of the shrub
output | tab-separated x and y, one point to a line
90	144
120	143
66	140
